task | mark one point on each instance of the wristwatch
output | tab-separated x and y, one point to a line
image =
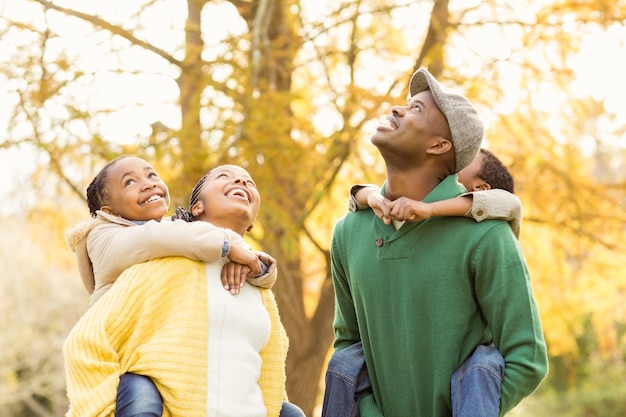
225	248
352	204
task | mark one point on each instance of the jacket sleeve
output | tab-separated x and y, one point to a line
496	204
353	204
85	268
114	248
268	279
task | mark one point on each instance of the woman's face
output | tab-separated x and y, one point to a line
229	198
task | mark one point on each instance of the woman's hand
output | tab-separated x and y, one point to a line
234	276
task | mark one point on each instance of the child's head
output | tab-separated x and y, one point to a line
128	187
226	196
486	172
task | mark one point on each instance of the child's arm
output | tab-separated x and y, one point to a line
113	247
234	274
270	272
404	209
480	205
359	194
363	196
496	204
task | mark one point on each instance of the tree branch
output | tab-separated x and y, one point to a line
114	29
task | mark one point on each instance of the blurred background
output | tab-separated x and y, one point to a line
292	90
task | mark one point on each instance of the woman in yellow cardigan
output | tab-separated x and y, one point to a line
208	352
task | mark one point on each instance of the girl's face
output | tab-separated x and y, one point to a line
135	191
229	198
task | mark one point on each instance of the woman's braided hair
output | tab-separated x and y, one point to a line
97	190
184	214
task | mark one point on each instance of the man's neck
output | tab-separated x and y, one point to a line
414	184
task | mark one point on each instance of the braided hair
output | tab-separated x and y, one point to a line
184	214
97	190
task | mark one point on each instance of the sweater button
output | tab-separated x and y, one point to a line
379	242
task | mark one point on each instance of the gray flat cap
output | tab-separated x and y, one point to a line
466	127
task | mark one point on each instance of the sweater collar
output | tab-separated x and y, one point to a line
448	188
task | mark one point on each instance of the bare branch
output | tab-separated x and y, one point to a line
114	29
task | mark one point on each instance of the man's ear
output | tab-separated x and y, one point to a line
197	209
439	146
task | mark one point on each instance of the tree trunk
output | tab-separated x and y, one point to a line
193	152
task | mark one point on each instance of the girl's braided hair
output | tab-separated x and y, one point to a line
97	190
186	215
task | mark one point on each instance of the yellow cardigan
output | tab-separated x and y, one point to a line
154	322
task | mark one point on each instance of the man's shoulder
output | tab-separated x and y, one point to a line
354	221
470	227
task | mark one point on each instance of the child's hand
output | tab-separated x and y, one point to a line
234	276
265	258
380	205
246	257
406	209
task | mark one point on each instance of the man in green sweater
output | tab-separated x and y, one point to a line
421	297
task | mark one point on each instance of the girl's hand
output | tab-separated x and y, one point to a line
245	256
265	258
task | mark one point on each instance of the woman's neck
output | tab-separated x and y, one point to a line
235	226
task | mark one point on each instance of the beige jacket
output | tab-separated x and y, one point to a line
497	204
107	245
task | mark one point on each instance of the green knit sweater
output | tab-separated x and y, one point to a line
421	299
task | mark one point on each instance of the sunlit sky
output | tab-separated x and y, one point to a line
600	66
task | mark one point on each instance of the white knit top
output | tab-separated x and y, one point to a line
239	328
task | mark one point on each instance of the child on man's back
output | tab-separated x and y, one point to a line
485	173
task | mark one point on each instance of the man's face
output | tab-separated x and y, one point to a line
407	131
